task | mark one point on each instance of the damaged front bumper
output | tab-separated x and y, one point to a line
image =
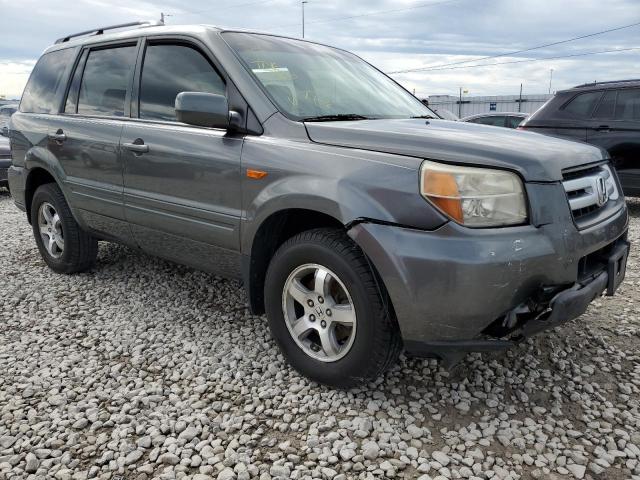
454	290
537	314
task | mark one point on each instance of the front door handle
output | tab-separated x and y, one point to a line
603	128
137	146
59	136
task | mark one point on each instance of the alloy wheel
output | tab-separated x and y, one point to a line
50	225
319	312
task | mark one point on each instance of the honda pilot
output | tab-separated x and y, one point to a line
358	221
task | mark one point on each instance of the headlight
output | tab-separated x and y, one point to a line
474	197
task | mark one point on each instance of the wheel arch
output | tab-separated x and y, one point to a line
36	177
272	232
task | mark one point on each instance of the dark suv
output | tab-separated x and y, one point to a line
606	114
358	222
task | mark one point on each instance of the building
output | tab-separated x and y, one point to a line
501	103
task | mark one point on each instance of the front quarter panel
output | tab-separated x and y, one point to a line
347	184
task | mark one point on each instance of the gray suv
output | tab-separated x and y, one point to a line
358	221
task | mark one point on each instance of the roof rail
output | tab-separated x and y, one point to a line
101	30
591	84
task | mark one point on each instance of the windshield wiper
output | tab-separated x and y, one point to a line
428	117
336	117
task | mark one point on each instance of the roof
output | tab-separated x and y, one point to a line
605	85
133	30
136	29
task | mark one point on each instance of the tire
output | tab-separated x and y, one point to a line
357	352
79	249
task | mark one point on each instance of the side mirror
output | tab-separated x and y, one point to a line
202	109
5	131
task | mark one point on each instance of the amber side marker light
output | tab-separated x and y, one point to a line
441	188
256	174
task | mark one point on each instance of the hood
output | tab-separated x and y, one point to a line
536	157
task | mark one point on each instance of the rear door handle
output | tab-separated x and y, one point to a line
137	146
59	136
603	128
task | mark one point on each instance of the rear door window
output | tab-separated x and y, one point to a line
628	105
496	121
169	70
106	78
606	106
44	88
583	104
513	122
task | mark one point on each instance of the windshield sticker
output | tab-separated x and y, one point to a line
270	70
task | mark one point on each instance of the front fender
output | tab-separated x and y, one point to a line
345	184
332	198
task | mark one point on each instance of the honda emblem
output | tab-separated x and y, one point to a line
603	194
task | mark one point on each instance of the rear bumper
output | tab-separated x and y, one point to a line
17	177
451	286
5	163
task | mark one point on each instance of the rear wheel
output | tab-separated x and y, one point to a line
64	246
327	311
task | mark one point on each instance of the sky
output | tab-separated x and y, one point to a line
392	34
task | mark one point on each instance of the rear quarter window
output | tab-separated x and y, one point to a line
46	84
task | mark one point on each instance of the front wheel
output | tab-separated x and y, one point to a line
328	312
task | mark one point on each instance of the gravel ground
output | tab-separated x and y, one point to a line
144	369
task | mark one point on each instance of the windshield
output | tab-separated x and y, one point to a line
308	81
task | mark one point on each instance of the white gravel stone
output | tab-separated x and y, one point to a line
144	369
441	457
133	457
227	474
577	471
31	463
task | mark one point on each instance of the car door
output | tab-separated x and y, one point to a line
181	183
615	126
86	136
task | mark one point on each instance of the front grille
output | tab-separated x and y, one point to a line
589	191
570	175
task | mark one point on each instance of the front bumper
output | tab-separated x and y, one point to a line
449	287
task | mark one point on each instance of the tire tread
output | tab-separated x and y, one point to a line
388	342
83	246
